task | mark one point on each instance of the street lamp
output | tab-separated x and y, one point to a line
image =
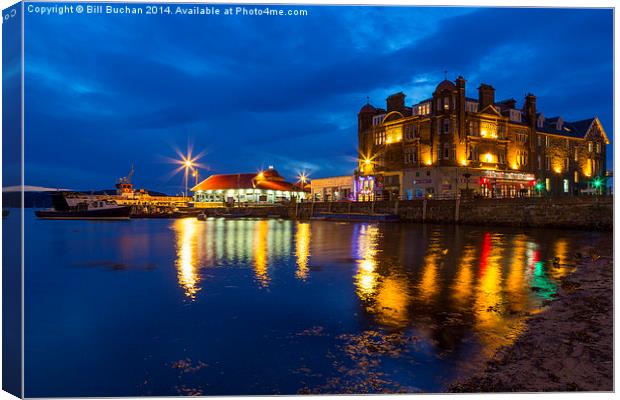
188	164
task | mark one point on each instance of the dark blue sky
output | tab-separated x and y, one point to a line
105	91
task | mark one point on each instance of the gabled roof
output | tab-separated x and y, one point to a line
490	109
577	129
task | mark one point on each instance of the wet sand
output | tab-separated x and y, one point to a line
567	347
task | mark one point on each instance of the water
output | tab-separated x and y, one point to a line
176	307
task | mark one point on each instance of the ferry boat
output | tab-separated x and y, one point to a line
67	205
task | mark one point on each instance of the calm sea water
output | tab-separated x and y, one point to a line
180	307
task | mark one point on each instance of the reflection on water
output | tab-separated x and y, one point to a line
493	277
302	249
188	234
261	252
275	307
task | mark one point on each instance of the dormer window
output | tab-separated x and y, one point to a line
515	115
471	106
540	121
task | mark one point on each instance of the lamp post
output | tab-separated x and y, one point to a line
188	165
303	178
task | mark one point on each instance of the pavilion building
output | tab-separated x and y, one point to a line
264	187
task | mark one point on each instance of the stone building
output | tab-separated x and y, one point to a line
451	144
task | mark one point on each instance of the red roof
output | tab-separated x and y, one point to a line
271	181
224	182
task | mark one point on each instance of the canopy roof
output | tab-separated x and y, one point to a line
267	180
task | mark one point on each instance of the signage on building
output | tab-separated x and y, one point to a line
512	176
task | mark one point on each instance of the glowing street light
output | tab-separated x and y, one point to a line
188	163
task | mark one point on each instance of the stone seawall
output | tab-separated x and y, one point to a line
587	213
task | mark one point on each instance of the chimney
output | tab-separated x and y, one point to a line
530	107
460	106
511	103
486	95
396	102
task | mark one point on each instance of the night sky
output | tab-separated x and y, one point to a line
105	91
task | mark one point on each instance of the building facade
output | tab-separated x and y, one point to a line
337	188
264	187
450	144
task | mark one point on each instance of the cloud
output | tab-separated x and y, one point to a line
253	91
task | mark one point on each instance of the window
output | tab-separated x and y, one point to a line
576	154
547	163
446	151
576	178
454	151
446	103
547	141
502	157
565	185
598	148
379	138
539	163
446	126
539	140
548	184
411	156
501	132
409	131
589	147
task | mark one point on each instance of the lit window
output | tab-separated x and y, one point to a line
548	184
589	147
576	178
565	185
547	141
598	148
446	103
576	154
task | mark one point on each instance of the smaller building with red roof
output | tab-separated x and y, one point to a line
264	187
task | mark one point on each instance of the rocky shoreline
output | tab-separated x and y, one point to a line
568	347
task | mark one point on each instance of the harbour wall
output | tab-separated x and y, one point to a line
583	212
586	213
